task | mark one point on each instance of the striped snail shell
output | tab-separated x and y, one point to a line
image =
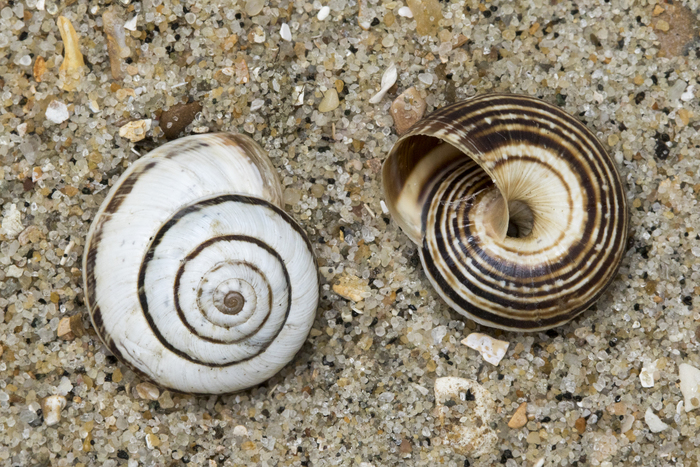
519	212
194	275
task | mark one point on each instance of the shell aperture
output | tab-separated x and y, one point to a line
518	211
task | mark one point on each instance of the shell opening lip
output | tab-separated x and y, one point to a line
519	212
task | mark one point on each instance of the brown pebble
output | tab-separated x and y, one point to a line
177	117
407	109
580	425
39	68
70	327
405	447
676	29
519	418
657	10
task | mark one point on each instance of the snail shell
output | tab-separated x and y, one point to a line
194	275
519	213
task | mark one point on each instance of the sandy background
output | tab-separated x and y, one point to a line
361	391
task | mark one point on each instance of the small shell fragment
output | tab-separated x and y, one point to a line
285	33
12	222
364	15
57	112
73	62
241	71
492	350
646	376
323	13
147	391
131	24
405	12
240	430
655	424
690	385
298	95
51	408
388	80
350	288
627	423
467	431
136	130
116	40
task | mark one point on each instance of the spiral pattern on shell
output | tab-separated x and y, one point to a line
518	210
195	277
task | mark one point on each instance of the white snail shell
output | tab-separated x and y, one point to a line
519	212
194	275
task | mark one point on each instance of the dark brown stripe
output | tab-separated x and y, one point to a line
217	200
181	270
589	163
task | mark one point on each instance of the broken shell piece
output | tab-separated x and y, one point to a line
57	112
51	408
405	12
241	71
147	391
388	79
492	350
323	13
298	95
116	40
364	15
407	109
627	423
646	376
131	24
690	385
73	63
655	424
285	32
136	130
12	222
465	410
350	288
